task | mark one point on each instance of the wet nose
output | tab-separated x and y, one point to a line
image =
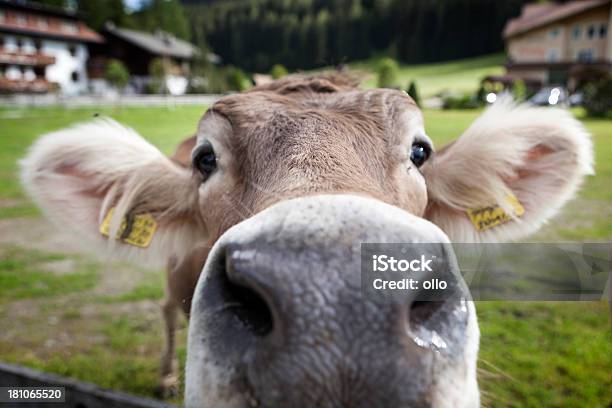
270	290
284	306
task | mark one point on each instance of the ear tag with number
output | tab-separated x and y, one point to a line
137	230
491	216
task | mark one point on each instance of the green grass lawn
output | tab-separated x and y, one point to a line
66	313
456	76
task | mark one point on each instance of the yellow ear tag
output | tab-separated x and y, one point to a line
493	215
137	230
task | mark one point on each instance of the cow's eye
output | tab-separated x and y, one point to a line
420	153
204	159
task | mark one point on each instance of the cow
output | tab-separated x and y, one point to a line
259	218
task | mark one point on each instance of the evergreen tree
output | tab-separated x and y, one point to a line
117	74
157	72
519	90
167	15
97	12
303	34
414	94
388	72
278	71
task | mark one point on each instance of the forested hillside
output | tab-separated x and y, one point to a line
305	34
255	34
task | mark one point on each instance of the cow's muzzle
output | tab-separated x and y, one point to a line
280	316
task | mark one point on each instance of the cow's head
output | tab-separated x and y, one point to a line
286	181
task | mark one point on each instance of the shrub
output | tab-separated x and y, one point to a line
215	79
117	74
208	79
388	72
157	72
598	98
465	101
236	79
519	90
481	94
278	71
198	84
414	94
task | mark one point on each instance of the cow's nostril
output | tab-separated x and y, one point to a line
421	311
250	308
244	302
437	324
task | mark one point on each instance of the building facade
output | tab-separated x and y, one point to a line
138	50
560	44
43	49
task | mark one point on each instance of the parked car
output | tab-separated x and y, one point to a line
576	99
550	96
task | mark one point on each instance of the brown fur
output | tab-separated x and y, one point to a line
293	137
311	143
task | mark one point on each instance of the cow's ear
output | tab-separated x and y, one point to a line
510	172
100	180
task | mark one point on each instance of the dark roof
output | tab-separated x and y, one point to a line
534	16
40	8
160	43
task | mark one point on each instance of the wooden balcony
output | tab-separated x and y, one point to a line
21	58
9	86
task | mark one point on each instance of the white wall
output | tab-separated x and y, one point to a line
61	71
65	64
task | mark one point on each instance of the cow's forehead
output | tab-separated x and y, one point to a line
374	103
383	113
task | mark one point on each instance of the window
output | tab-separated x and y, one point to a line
38	45
9	44
75	76
29	75
591	32
576	31
13	72
585	55
19	43
554	33
21	19
69	27
553	55
603	30
73	50
27	46
2	17
1	42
